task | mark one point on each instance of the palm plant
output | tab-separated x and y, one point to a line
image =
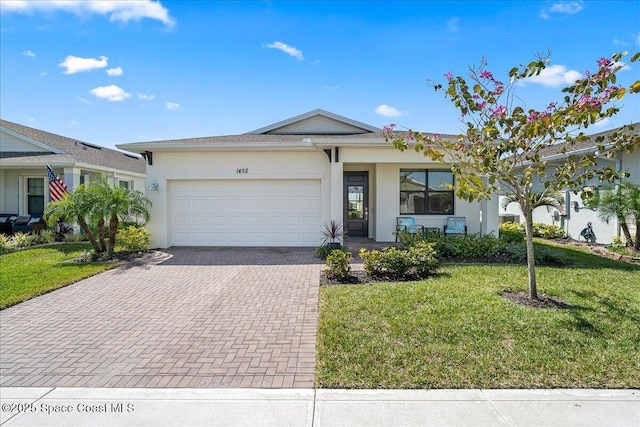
115	204
623	203
97	205
553	200
76	206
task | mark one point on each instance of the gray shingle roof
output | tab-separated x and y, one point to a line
72	150
589	143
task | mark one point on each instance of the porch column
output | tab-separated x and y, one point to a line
71	177
490	216
337	200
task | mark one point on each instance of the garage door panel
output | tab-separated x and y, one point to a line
245	213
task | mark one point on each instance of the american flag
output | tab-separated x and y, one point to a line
57	188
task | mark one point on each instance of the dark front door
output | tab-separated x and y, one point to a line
356	203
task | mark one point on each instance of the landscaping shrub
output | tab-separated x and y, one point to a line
508	231
338	264
512	232
133	238
323	251
5	243
518	252
23	240
74	237
423	258
407	239
397	263
471	246
46	236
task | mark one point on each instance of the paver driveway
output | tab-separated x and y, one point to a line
206	317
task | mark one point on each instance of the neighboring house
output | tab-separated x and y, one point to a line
280	184
25	153
575	216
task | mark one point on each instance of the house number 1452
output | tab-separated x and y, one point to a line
242	170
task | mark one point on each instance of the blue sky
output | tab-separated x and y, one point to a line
114	72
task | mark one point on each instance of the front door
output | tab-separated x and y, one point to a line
356	203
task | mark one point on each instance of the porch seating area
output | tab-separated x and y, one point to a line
407	224
12	223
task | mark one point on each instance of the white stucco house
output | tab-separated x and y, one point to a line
278	186
25	153
575	216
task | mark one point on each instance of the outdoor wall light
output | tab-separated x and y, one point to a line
154	186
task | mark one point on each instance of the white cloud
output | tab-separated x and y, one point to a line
387	111
602	123
32	119
565	7
117	11
43	73
172	106
145	97
29	53
114	71
452	25
110	93
75	64
289	50
555	76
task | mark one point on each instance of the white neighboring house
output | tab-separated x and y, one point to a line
575	215
25	153
279	185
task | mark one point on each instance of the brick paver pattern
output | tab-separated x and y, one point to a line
206	317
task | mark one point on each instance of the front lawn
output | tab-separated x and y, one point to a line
32	272
455	330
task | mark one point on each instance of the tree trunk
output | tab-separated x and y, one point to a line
87	231
531	258
636	244
113	230
101	234
625	230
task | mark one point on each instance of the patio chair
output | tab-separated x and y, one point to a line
6	223
456	225
407	224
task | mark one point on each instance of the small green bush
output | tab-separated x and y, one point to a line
508	231
46	236
423	258
23	240
393	262
74	237
518	252
512	232
471	246
396	262
338	264
133	239
6	243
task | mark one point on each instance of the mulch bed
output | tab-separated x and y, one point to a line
543	301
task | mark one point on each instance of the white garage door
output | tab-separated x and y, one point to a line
244	213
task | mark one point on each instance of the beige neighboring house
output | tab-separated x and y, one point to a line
280	184
575	216
25	153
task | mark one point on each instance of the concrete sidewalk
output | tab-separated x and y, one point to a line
308	407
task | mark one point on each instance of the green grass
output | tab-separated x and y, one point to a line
456	330
32	272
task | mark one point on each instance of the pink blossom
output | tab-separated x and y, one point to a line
499	89
551	106
436	136
482	104
500	111
604	62
486	75
475	96
448	75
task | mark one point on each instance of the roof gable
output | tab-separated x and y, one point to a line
17	142
316	122
67	149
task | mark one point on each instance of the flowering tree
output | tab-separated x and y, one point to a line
504	146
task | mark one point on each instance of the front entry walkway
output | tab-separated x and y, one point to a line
205	317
